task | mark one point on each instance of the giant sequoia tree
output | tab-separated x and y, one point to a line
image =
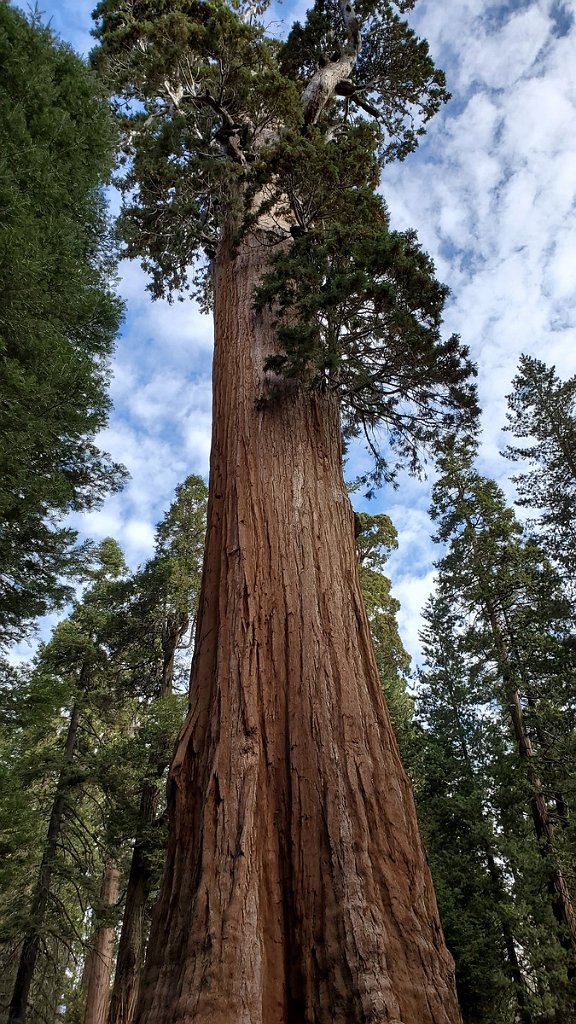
295	888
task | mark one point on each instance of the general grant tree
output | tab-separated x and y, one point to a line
295	889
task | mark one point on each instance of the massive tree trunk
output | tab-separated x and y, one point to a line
296	890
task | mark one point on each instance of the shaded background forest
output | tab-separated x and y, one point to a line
486	725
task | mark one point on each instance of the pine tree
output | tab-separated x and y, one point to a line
514	624
58	316
162	610
88	732
542	414
247	160
100	959
376	538
458	743
74	666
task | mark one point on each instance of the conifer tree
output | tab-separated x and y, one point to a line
376	538
58	316
103	689
248	160
74	665
158	619
542	416
513	623
457	746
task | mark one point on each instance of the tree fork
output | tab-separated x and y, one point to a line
296	888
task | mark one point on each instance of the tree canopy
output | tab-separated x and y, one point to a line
223	124
542	419
58	315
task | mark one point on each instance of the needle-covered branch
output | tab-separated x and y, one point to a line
234	126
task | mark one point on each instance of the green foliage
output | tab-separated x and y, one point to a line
110	666
394	78
221	134
58	316
542	414
61	712
202	78
377	537
359	312
453	753
498	696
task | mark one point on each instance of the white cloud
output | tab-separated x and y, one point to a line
492	194
72	21
412	593
498	55
139	536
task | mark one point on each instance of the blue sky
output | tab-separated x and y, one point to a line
492	195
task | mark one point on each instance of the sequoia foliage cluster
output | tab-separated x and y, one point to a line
229	128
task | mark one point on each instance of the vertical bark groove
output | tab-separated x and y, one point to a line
296	889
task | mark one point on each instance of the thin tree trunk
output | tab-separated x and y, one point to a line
131	946
562	907
101	956
495	873
41	895
524	1015
296	889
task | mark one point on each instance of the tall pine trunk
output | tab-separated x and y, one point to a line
296	890
101	955
41	895
131	945
562	906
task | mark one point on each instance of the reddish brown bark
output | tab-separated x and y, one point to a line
296	890
131	945
101	957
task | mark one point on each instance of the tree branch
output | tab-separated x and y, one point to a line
322	85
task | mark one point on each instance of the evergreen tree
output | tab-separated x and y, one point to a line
162	609
89	732
71	681
58	316
457	745
509	622
247	159
542	415
376	538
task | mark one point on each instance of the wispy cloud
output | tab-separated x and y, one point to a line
492	194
